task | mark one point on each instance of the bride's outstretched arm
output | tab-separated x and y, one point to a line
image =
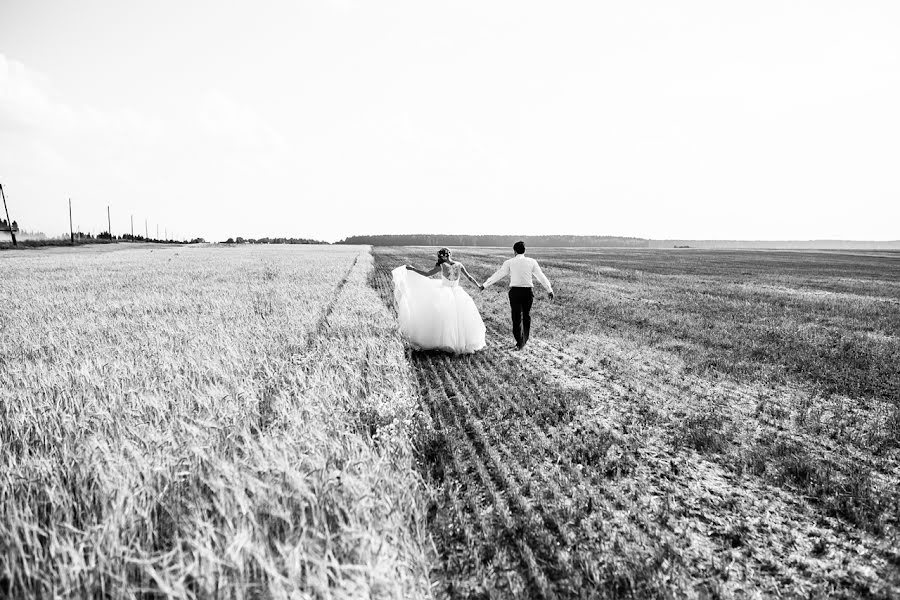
469	277
423	273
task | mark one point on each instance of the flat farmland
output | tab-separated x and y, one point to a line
245	422
683	424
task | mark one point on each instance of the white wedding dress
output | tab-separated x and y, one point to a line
437	314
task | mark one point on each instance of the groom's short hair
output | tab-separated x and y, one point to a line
519	247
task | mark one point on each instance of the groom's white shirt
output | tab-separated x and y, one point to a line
520	269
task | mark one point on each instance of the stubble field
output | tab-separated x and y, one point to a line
682	424
245	422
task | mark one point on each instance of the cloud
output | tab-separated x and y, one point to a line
22	97
27	106
200	144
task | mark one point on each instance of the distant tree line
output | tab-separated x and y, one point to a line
537	241
127	237
272	240
36	239
79	238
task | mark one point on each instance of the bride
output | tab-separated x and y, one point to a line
437	313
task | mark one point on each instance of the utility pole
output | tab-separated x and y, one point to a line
146	235
132	228
157	231
12	233
108	222
71	231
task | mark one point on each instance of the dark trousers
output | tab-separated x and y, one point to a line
520	301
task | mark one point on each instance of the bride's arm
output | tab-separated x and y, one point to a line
423	273
469	277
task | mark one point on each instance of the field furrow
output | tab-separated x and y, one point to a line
501	508
537	544
511	456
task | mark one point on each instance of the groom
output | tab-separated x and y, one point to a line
520	270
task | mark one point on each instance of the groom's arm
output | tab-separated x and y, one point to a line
539	275
500	274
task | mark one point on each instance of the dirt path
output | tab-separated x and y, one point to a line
557	480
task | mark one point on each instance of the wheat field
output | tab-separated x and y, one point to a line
245	422
203	422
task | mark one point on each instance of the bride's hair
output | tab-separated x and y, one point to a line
440	254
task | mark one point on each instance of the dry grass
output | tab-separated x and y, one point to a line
204	423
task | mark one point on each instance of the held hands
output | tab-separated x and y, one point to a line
481	286
551	295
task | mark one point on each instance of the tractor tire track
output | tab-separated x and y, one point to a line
322	323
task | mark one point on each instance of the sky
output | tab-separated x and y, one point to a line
694	119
